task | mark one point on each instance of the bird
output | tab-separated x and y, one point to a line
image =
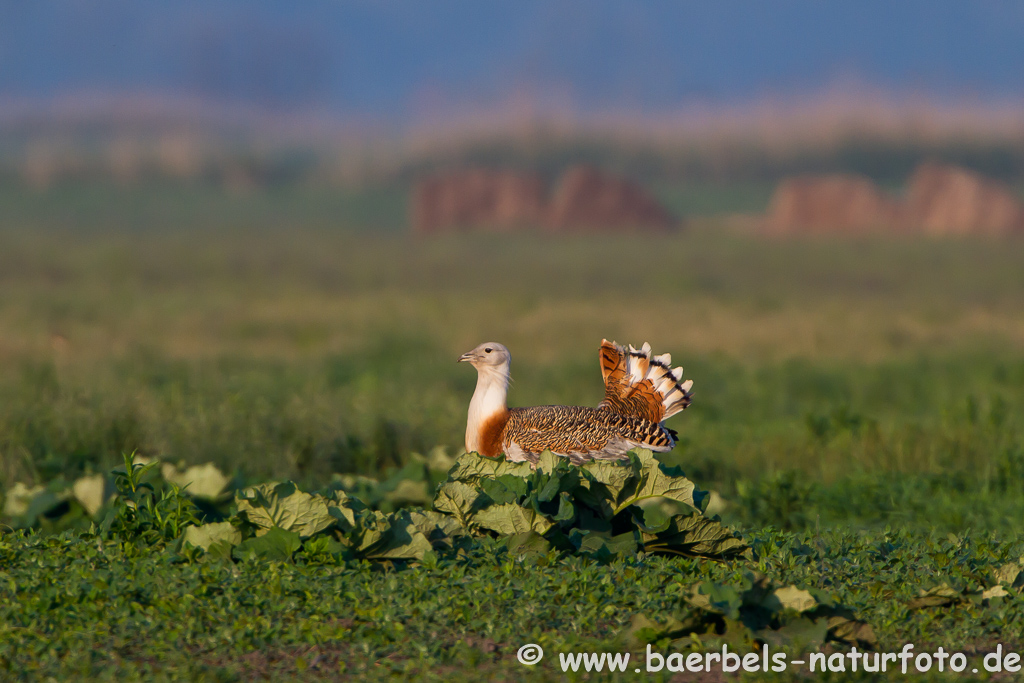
641	392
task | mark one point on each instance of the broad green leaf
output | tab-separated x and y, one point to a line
606	482
323	545
549	462
996	591
549	490
757	608
790	598
471	467
504	489
513	483
603	545
652	520
435	525
391	536
37	501
714	597
511	519
851	631
657	481
276	544
343	508
206	535
199	481
401	544
643	631
1011	574
938	596
19	497
219	551
528	543
458	499
91	492
284	506
801	634
695	534
566	510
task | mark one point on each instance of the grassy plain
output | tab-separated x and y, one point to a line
294	349
842	386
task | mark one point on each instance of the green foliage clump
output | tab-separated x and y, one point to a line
601	509
142	515
756	610
275	520
605	509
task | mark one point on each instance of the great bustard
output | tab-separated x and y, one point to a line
641	392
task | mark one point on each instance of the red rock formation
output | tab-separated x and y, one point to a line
587	198
830	204
948	200
481	199
477	199
941	200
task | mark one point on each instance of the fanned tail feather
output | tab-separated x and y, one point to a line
641	385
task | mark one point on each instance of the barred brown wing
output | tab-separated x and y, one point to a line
579	432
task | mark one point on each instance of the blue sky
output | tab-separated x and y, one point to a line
392	58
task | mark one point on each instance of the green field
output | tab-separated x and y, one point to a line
858	410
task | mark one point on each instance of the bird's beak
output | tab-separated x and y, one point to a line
468	356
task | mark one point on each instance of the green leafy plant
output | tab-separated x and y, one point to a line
756	609
142	514
276	521
605	509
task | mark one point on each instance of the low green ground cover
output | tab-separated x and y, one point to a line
311	587
76	605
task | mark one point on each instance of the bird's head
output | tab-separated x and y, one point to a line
488	356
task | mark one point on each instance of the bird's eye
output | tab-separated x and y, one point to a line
488	349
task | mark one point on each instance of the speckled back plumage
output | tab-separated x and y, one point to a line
579	433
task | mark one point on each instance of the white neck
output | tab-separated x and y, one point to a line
489	399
